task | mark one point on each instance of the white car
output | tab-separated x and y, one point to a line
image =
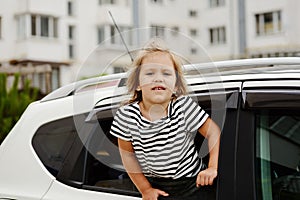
60	148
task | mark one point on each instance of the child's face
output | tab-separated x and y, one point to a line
157	78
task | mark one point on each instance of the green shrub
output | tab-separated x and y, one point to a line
13	103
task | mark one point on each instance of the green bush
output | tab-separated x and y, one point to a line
13	103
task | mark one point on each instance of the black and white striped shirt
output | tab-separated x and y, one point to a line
164	148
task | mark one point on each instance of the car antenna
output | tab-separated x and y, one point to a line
121	36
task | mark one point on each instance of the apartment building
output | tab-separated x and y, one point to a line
67	40
272	28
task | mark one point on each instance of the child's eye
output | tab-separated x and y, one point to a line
167	74
149	73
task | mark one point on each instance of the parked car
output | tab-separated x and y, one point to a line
61	147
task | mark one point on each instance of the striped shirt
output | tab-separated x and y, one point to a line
164	148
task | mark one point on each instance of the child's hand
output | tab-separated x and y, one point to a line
153	194
206	177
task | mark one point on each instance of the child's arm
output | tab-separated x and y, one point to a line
135	173
211	131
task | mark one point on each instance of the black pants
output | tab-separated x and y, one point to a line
183	189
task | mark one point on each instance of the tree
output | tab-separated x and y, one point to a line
13	102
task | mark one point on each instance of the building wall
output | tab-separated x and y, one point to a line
282	42
8	35
222	16
189	26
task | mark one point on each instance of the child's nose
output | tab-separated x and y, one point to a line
158	78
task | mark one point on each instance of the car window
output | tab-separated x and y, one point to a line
278	154
52	143
104	168
92	161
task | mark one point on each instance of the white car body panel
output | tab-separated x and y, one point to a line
28	179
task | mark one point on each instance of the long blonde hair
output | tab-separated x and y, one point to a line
155	45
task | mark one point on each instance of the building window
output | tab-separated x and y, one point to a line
268	23
37	26
175	30
216	3
101	34
157	31
54	27
193	50
33	25
194	32
193	13
110	33
103	2
71	37
71	31
71	51
118	70
0	27
217	35
157	1
21	30
70	8
43	26
55	79
115	37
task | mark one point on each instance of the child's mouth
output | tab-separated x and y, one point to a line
159	88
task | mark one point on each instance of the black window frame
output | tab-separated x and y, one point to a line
204	98
253	101
49	129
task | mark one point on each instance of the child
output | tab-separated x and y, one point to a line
156	130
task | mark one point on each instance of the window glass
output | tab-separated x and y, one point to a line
71	32
53	141
217	35
55	78
71	51
102	2
21	24
110	32
268	23
44	26
55	25
0	27
118	69
157	1
193	13
157	31
193	32
216	3
70	8
33	24
278	155
101	34
104	169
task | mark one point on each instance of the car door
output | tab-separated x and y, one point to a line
74	151
268	141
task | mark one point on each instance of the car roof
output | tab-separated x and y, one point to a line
200	73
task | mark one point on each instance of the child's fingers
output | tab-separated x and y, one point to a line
206	177
163	193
